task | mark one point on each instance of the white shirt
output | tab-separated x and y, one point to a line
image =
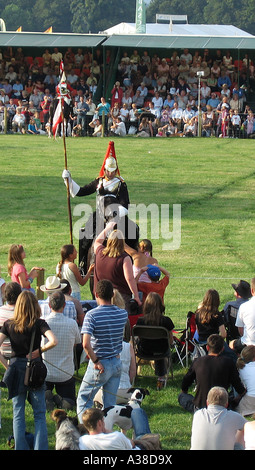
246	319
112	441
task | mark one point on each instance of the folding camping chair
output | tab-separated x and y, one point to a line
185	345
144	332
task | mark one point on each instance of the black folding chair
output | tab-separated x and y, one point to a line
151	333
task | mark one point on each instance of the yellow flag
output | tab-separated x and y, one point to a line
49	30
19	29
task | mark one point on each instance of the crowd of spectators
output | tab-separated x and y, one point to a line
152	96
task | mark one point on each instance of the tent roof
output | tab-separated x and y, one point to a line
180	42
180	30
25	39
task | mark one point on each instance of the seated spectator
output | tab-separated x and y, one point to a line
118	127
31	129
145	128
72	78
225	91
213	101
223	79
216	427
208	318
18	122
207	371
124	113
249	430
153	315
97	127
99	438
138	99
176	116
17	89
245	365
78	59
190	128
127	99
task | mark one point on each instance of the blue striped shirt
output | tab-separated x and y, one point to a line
105	324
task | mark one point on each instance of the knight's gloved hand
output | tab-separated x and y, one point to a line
73	187
66	174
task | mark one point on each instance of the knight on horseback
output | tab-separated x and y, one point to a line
112	203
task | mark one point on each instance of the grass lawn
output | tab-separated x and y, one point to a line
213	181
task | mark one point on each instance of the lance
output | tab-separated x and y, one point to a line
67	179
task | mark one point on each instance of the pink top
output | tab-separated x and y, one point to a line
16	271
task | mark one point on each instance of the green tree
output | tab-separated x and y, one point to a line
98	15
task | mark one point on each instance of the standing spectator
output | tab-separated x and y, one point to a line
11	293
113	263
17	269
51	286
102	340
67	269
60	360
45	105
19	331
216	427
81	108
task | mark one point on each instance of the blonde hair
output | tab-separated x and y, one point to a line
146	246
27	310
115	245
117	299
14	256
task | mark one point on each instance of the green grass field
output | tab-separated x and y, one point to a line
213	181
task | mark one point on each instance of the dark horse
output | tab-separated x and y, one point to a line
112	212
67	110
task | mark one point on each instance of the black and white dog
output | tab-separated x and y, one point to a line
121	414
68	431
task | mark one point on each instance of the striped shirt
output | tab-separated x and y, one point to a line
105	324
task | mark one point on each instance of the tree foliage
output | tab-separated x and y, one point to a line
83	16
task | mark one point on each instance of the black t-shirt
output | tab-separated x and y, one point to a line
20	342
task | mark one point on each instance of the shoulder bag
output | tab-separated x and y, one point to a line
36	370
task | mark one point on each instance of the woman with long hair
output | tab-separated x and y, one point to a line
208	318
17	269
246	367
114	264
19	330
154	315
67	269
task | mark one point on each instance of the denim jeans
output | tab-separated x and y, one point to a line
140	422
109	380
37	401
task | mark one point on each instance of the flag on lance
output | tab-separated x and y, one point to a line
64	99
